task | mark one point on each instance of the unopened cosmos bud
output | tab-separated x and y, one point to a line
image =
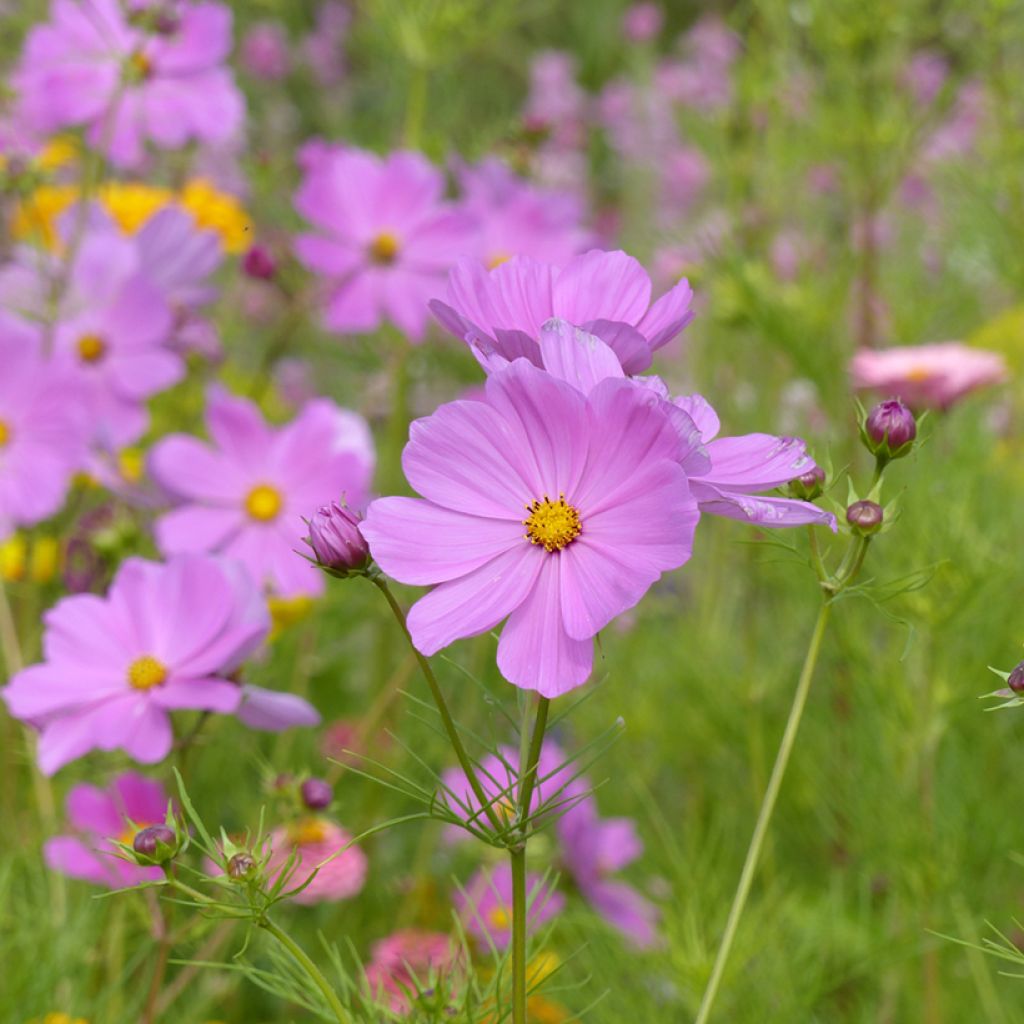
316	794
156	843
889	430
241	866
335	539
1015	681
809	485
258	263
865	517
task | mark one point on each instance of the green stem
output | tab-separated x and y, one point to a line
528	770
764	816
518	861
302	959
442	707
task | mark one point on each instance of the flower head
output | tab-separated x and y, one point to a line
165	637
551	508
485	905
889	429
322	851
335	539
100	819
384	237
245	494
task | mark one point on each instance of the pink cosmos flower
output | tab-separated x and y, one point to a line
264	51
607	294
928	376
132	76
245	494
322	847
44	429
407	962
165	637
324	46
642	22
384	237
98	816
555	509
485	906
516	218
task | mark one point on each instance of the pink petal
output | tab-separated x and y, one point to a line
273	711
197	528
580	359
763	511
668	316
199	695
602	286
756	462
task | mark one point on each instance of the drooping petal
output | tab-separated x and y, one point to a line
758	509
668	316
577	357
756	462
273	711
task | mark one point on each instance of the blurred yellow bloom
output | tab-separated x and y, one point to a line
60	151
35	218
58	1018
45	559
13	558
218	211
286	611
131	464
132	203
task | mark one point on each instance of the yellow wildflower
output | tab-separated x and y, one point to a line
132	203
217	211
13	558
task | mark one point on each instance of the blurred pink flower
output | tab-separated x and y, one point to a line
642	22
925	76
324	47
384	237
485	905
607	511
155	75
165	637
955	138
408	961
263	51
556	102
44	429
927	376
98	816
321	847
245	495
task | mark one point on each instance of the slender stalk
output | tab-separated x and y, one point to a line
528	770
303	960
442	707
518	861
764	816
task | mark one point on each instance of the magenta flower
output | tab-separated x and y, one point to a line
407	962
245	494
385	238
608	294
99	816
130	77
554	509
264	51
165	637
44	428
928	376
337	869
485	905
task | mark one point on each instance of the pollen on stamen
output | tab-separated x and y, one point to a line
552	525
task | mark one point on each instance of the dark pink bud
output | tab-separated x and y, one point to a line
889	430
155	844
808	486
258	263
865	517
336	541
241	866
1015	681
316	794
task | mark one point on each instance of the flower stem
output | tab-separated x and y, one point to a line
528	770
442	707
518	861
764	816
303	960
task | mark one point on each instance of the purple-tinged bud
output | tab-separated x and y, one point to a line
1015	680
336	541
808	486
241	867
155	844
889	430
316	794
865	517
258	263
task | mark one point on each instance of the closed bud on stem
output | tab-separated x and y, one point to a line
155	844
808	486
241	867
258	263
336	541
889	430
316	794
865	517
1015	680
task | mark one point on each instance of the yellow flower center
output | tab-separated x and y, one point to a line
140	67
499	917
496	259
264	503
919	373
5	434
127	837
91	348
146	672
308	832
552	524
384	249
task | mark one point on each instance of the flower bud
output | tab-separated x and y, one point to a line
1015	680
808	486
258	263
889	430
316	794
336	541
241	867
865	517
155	844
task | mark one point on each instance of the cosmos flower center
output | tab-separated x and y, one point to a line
552	524
384	248
91	348
139	67
918	373
499	917
127	837
496	259
5	434
146	672
307	833
263	503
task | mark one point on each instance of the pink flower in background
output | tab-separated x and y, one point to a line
516	218
384	237
685	174
485	905
98	816
44	429
322	847
556	103
928	376
153	75
179	258
264	51
407	962
324	47
955	138
925	76
501	312
165	637
543	505
245	495
642	22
